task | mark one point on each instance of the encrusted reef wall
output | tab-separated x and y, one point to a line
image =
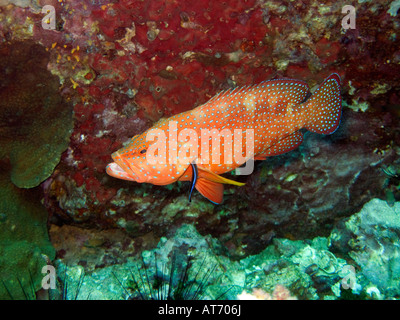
125	64
36	122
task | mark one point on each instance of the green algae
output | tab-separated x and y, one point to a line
24	243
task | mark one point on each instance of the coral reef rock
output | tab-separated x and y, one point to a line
371	238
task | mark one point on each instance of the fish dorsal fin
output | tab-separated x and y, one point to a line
211	176
160	122
213	191
284	145
227	93
299	90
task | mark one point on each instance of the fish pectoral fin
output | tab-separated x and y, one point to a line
213	191
284	145
211	176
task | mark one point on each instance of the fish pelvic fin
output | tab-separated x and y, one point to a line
195	173
211	176
324	108
211	185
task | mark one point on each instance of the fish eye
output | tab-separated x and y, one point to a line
143	151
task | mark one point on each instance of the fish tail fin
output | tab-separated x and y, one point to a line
324	108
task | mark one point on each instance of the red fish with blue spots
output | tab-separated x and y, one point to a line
273	111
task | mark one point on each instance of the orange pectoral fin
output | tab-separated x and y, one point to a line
213	191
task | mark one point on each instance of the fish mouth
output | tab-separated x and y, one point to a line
122	169
114	170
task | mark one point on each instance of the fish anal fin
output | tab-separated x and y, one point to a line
284	145
260	157
211	176
211	190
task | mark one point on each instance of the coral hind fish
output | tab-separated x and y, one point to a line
273	111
